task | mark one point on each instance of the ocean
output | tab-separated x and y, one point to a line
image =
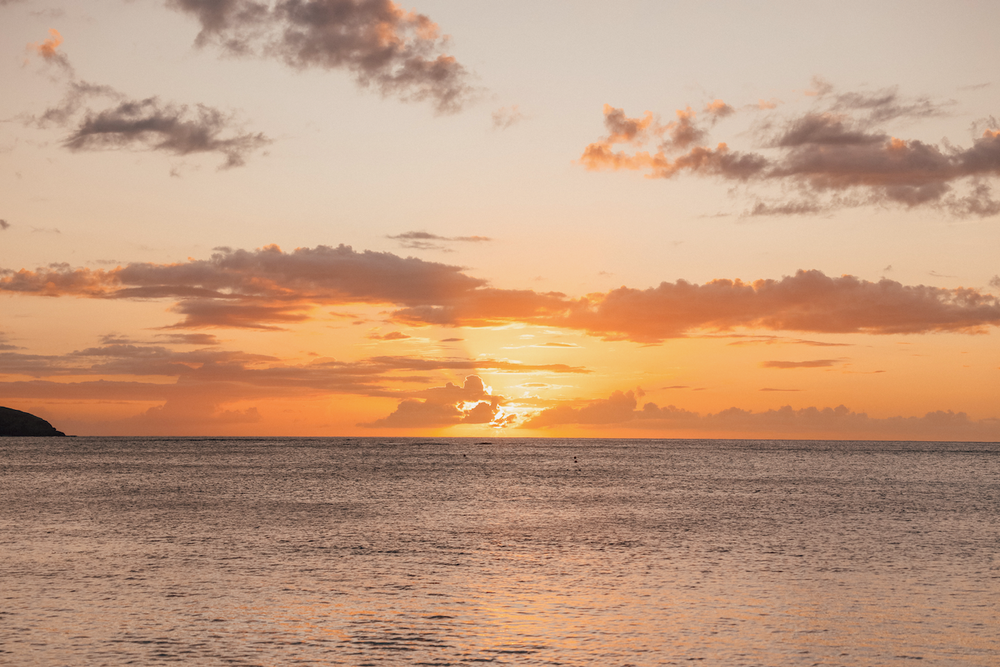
501	551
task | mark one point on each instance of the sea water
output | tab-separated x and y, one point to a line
341	551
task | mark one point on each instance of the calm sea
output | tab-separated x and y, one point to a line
341	551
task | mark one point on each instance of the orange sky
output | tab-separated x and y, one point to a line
384	221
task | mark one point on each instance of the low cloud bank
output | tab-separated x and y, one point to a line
268	288
621	410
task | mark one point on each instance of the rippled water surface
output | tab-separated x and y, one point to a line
121	551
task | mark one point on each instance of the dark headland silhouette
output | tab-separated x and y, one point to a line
15	422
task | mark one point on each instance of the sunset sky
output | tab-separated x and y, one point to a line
630	219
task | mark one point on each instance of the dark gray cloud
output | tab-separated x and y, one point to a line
801	207
396	52
102	118
73	101
428	241
154	125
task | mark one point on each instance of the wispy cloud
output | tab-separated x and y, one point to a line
507	117
811	363
391	336
151	124
102	118
49	51
428	241
399	53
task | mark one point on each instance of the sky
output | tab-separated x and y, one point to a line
567	219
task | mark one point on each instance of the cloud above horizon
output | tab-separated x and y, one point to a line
153	125
472	403
101	118
837	154
427	241
396	52
268	289
621	409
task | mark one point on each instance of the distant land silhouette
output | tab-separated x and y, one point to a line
15	422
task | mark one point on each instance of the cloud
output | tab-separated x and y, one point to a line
802	207
814	363
201	383
48	50
123	357
506	117
4	225
836	155
145	124
267	288
261	288
473	403
807	301
682	134
743	339
157	126
392	335
190	339
621	410
77	92
428	241
5	343
194	414
820	87
396	52
719	109
386	364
